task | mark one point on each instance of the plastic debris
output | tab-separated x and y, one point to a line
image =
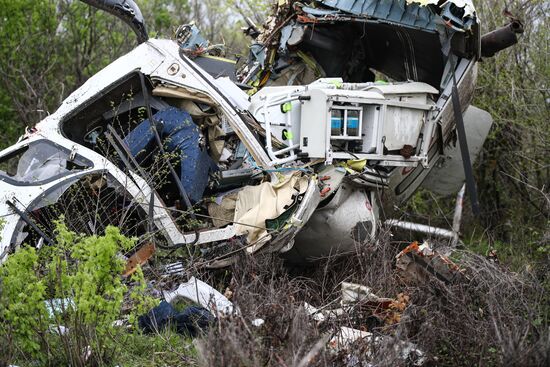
199	292
345	336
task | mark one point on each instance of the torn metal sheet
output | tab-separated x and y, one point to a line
411	14
140	257
403	39
447	176
127	11
349	219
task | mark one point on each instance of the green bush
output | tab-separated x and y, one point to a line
77	285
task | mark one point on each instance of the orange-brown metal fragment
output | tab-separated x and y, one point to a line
140	257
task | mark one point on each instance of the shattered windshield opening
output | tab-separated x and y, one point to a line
40	162
121	100
99	200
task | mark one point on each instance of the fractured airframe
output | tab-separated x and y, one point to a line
341	112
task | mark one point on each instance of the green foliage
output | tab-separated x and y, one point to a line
49	48
22	307
75	284
513	86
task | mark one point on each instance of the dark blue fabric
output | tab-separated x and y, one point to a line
179	134
190	321
158	318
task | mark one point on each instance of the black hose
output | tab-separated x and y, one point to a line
28	220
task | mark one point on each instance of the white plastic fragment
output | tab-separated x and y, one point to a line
353	293
199	292
258	322
345	336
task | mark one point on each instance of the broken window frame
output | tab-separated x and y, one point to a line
52	195
69	156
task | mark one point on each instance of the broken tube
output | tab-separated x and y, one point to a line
501	38
439	232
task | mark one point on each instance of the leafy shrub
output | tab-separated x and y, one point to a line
59	304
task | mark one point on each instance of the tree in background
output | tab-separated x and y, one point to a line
513	171
49	48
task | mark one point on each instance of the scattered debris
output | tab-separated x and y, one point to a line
417	264
354	293
409	352
346	336
178	149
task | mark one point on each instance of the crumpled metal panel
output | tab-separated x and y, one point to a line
397	11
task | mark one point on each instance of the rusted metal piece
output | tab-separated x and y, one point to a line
501	38
139	258
417	264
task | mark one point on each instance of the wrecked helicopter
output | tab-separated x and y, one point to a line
302	150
